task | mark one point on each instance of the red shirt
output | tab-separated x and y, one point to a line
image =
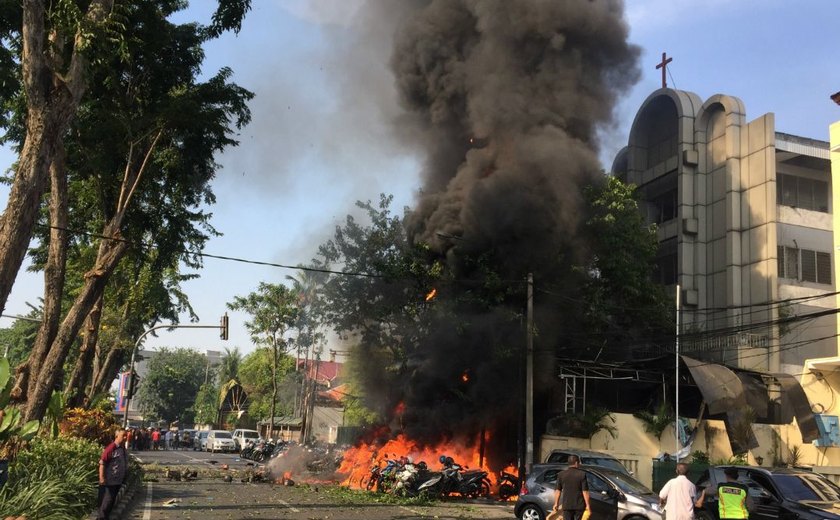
155	435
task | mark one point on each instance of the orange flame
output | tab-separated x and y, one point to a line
431	294
400	408
465	377
359	460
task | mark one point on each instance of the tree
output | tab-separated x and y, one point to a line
169	389
618	305
139	158
274	310
256	376
229	366
206	406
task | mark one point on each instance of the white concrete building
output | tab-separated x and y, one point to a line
744	217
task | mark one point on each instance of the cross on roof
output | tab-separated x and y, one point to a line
662	65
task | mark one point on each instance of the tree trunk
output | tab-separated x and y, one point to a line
110	253
74	392
54	277
110	367
273	384
52	97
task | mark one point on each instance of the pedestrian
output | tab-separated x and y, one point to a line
734	501
113	466
572	495
156	439
678	496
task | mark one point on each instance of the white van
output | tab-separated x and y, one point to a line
240	437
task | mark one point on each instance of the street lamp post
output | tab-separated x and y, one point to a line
222	326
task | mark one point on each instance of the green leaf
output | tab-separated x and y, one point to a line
9	419
5	373
28	431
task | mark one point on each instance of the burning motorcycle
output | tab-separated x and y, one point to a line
508	485
452	479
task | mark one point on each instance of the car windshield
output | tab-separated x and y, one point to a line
807	487
222	435
630	485
250	435
202	434
604	463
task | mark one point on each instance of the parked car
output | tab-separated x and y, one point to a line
587	458
200	442
614	495
220	440
776	493
240	436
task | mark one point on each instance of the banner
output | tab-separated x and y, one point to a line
122	392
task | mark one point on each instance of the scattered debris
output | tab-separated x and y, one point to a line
172	502
227	478
224	466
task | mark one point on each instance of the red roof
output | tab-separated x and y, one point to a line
328	371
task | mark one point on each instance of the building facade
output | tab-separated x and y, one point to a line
745	227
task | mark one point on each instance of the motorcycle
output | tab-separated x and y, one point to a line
508	485
247	450
452	479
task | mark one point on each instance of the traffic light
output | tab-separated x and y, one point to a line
133	384
223	325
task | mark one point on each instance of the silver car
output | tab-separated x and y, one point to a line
220	440
614	495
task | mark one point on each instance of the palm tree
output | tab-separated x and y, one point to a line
229	366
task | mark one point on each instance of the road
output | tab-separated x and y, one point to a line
211	498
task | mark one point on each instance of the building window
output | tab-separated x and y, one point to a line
804	265
664	207
799	192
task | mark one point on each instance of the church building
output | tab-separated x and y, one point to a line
745	228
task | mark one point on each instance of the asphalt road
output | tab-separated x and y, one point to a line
211	498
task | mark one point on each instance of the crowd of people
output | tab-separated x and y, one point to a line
154	439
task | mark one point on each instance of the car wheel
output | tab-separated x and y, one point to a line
531	512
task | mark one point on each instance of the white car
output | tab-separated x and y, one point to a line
240	437
220	440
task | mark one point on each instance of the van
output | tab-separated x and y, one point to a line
241	436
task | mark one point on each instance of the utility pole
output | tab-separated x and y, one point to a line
529	376
677	380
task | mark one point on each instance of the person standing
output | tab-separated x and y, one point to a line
113	467
156	439
734	501
678	496
572	494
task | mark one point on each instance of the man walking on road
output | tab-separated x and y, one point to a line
678	496
113	466
572	494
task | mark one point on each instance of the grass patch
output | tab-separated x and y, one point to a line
349	496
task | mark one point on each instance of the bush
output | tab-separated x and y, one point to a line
95	424
54	479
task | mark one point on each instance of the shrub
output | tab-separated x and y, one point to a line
94	424
54	479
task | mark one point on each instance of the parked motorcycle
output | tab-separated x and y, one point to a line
508	485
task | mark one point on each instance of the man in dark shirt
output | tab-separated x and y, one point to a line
572	494
113	466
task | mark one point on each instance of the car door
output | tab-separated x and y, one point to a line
767	503
603	497
546	486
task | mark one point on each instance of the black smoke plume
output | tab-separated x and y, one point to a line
505	99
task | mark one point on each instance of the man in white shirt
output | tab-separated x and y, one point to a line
678	496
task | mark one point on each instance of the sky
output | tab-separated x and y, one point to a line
322	133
